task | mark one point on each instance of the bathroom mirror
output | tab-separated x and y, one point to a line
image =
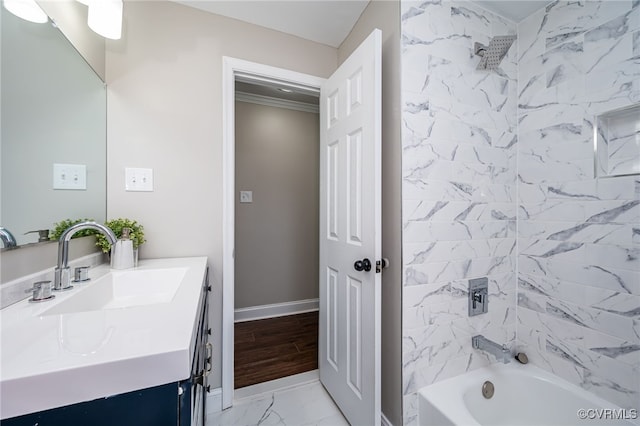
617	142
53	129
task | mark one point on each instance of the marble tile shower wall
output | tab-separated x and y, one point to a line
459	190
579	237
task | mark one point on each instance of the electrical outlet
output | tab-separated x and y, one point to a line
138	179
70	176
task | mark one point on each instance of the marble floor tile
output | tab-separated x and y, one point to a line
305	404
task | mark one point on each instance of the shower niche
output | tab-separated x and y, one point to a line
617	142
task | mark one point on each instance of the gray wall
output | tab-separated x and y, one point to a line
385	15
164	106
276	246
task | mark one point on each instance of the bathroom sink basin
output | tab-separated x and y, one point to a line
87	343
123	289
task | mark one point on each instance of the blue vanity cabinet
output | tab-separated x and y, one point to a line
173	404
154	406
194	390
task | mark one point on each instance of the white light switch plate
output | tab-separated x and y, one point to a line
138	179
70	176
246	196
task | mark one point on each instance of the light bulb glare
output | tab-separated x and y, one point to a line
105	18
27	10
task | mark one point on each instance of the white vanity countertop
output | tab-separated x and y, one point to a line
54	360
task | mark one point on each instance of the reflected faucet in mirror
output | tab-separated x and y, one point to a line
62	277
7	238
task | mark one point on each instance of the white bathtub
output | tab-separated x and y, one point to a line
524	395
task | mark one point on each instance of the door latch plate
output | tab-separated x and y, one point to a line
381	264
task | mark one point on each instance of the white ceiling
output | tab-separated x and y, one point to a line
324	21
328	21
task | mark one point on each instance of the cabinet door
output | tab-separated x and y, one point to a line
147	407
193	399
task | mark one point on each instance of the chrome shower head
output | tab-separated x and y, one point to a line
493	54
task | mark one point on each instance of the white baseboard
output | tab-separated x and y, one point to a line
214	401
275	310
384	420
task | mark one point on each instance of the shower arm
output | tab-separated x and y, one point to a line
479	49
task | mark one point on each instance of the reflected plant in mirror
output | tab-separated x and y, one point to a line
62	226
53	135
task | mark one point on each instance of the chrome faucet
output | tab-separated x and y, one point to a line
62	278
7	238
501	352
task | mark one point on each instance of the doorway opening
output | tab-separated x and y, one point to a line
350	225
236	72
277	156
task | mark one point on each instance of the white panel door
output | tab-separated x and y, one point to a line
350	194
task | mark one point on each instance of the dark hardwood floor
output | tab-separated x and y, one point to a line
272	348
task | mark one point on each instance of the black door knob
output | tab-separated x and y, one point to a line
362	265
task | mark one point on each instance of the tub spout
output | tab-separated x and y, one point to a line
501	352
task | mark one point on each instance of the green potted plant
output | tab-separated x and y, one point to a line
116	225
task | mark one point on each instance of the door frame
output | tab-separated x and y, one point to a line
232	68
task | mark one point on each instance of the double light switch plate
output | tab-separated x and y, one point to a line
139	180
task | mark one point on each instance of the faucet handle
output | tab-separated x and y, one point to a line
81	274
41	291
477	298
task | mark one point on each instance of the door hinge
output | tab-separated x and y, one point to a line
381	264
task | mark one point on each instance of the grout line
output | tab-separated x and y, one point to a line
517	200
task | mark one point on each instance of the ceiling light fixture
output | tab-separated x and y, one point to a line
105	18
27	10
